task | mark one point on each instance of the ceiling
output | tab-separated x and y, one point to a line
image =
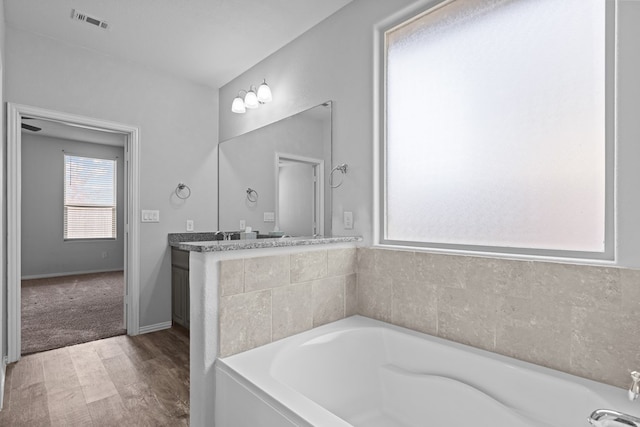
207	41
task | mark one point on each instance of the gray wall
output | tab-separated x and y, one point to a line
338	60
44	251
178	128
332	61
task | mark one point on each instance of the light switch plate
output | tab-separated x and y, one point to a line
150	216
243	225
269	217
348	220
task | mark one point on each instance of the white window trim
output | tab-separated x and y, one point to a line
115	190
608	257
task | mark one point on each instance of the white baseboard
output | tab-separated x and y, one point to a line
154	328
3	375
70	273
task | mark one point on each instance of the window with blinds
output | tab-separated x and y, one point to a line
89	198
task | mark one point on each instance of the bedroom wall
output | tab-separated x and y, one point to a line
45	253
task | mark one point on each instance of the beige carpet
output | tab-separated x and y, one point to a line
62	311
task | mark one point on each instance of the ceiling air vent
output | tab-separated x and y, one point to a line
83	17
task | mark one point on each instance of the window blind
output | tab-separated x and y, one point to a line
89	198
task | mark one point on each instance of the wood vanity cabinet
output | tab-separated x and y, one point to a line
180	287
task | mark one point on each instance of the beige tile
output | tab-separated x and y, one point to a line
231	277
266	272
245	322
415	306
500	276
630	284
374	296
397	265
366	259
342	262
535	330
350	295
578	285
328	300
468	317
604	345
441	270
307	266
292	310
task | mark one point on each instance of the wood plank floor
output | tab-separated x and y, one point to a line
119	381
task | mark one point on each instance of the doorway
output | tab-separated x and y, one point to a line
16	114
299	195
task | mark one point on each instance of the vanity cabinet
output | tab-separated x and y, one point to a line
180	287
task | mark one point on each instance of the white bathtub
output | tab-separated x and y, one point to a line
362	372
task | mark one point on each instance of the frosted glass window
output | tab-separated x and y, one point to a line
89	198
495	126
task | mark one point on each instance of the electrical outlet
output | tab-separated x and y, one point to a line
348	220
105	254
243	225
189	225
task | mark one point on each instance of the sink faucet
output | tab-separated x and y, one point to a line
609	418
225	235
634	390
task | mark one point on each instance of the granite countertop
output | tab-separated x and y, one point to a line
204	242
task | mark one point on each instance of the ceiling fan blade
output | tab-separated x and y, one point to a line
31	128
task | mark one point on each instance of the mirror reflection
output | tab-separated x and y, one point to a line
275	179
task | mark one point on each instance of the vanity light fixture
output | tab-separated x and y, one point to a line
264	92
252	98
238	104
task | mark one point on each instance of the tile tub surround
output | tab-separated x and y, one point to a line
580	319
266	298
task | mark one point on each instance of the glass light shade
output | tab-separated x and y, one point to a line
264	93
238	105
251	99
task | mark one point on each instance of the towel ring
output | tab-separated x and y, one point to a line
252	195
343	170
183	191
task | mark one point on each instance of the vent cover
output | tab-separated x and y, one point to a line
83	17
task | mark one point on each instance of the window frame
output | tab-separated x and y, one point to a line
115	199
380	196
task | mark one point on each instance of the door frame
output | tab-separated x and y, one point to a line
318	166
15	112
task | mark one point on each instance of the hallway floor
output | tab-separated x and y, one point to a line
119	381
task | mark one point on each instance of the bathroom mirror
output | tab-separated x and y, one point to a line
275	179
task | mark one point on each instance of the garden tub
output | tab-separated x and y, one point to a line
362	372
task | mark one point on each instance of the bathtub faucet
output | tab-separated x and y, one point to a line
609	418
634	390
